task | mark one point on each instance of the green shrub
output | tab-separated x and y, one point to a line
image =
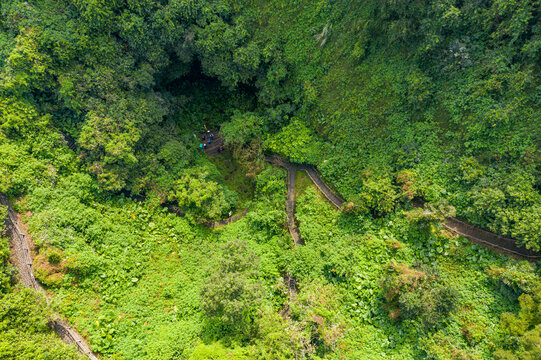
297	142
54	257
415	294
232	295
525	329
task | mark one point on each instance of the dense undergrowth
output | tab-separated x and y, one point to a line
24	332
144	283
102	104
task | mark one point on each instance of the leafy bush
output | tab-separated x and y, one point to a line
24	331
297	142
54	257
517	278
232	296
204	198
431	305
415	294
377	195
243	128
525	328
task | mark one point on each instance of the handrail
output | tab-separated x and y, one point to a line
24	264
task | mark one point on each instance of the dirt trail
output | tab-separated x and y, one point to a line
23	261
214	146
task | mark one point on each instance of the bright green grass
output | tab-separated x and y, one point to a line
134	274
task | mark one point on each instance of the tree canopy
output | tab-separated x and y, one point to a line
103	108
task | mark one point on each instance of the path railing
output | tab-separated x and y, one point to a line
482	237
23	260
490	239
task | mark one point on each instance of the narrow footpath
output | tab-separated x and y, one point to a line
291	198
485	238
490	240
290	206
333	198
224	222
22	259
290	281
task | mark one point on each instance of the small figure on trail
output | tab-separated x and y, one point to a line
200	146
230	213
211	135
209	141
205	146
203	137
221	148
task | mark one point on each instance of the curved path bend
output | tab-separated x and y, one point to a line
314	175
23	258
23	261
485	238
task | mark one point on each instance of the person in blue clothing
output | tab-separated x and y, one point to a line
201	145
209	140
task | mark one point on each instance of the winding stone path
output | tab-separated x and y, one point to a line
485	238
336	200
23	262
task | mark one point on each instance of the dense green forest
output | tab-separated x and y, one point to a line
102	106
